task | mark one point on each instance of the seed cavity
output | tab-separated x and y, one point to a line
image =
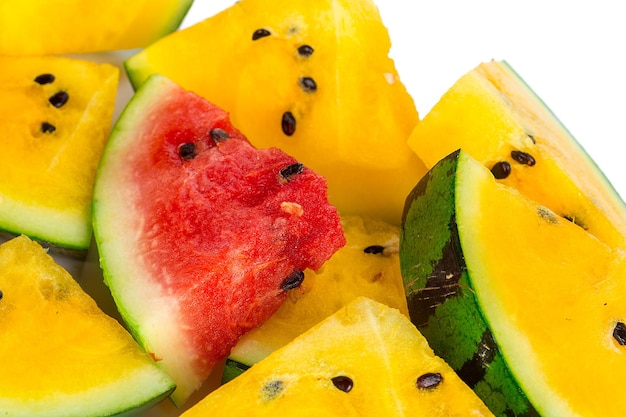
308	84
290	171
260	33
501	170
294	280
218	134
272	389
305	50
44	79
429	380
523	158
619	333
187	151
343	383
374	249
47	127
59	99
288	123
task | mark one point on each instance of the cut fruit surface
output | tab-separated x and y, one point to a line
74	26
313	79
526	306
367	359
216	231
55	118
61	355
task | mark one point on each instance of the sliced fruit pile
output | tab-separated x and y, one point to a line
269	199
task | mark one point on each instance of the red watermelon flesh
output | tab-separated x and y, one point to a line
200	234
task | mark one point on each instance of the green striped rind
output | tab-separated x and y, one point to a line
440	297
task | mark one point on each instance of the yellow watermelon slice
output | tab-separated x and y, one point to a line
55	118
367	359
200	234
61	355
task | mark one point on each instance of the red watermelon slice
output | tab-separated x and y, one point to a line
200	234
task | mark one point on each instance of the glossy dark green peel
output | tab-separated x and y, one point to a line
441	300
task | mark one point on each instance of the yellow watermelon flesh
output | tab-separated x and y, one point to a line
367	359
55	118
47	27
61	355
313	79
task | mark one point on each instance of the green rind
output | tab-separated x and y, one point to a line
442	302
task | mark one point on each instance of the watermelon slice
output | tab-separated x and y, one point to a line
200	234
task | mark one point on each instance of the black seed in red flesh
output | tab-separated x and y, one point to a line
291	171
288	123
429	380
44	79
294	280
47	127
619	333
308	84
187	151
501	170
343	383
305	50
260	33
523	158
218	134
59	99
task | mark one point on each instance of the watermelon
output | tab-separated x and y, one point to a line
200	234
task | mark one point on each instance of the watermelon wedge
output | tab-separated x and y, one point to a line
200	234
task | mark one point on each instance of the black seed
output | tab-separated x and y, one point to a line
288	123
292	281
308	84
305	50
187	151
532	138
44	79
272	389
260	33
218	134
1	294
47	127
343	383
501	170
523	158
59	99
429	380
290	171
375	249
619	333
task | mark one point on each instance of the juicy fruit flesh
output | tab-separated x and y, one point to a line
73	27
490	112
351	272
59	341
319	372
350	129
47	179
563	266
196	198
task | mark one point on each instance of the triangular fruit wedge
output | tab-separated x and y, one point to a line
200	234
313	78
526	306
55	118
367	359
61	355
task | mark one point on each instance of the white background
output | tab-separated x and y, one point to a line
572	53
